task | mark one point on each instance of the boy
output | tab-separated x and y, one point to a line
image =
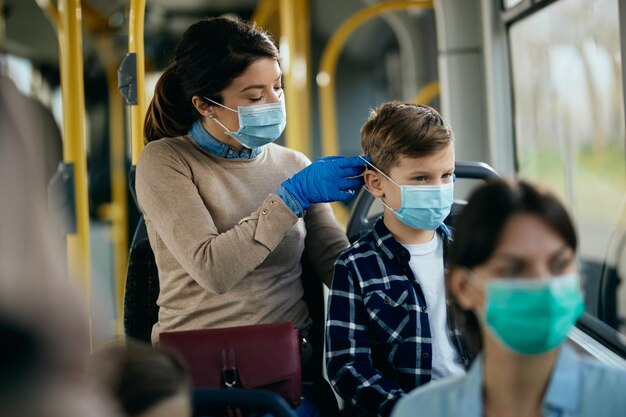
387	330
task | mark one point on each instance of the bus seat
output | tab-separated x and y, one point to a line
142	287
214	402
141	310
365	213
312	372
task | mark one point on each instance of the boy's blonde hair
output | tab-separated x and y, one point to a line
397	129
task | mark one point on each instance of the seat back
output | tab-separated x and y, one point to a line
142	287
141	310
365	213
312	375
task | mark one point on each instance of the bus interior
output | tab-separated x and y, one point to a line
534	89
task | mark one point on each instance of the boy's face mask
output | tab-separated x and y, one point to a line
423	207
258	124
532	317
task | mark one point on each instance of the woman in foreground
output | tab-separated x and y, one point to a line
513	270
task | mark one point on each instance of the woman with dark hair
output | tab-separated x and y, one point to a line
513	270
229	213
227	210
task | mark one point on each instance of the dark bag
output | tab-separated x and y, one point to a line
263	356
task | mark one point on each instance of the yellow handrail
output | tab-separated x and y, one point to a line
51	12
2	25
263	11
427	93
294	42
302	74
119	201
135	45
326	75
117	211
73	97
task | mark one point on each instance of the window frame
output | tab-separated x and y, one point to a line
522	10
601	332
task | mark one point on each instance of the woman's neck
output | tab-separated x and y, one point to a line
514	385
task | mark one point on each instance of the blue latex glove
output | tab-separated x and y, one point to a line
327	179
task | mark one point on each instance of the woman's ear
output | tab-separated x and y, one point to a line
202	107
373	183
461	289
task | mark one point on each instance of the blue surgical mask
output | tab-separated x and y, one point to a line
532	317
423	207
258	125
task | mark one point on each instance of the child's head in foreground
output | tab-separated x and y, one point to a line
412	152
144	381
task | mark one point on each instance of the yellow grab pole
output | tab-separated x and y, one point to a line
119	200
302	72
117	211
427	93
326	75
2	24
294	43
73	96
264	10
51	11
135	45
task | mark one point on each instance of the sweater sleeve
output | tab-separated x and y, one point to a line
324	240
170	200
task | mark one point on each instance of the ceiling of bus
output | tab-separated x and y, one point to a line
166	19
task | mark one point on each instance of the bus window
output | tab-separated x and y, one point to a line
569	129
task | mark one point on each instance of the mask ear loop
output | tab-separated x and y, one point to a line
471	276
221	105
227	131
376	169
386	176
475	281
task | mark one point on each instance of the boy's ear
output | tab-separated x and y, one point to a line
203	108
373	182
460	288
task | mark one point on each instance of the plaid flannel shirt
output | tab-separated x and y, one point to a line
378	340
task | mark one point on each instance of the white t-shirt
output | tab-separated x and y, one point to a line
427	265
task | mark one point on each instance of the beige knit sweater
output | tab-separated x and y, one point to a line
227	248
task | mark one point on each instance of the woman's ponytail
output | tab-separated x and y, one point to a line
211	53
169	114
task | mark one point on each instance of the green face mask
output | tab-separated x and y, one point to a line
531	317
